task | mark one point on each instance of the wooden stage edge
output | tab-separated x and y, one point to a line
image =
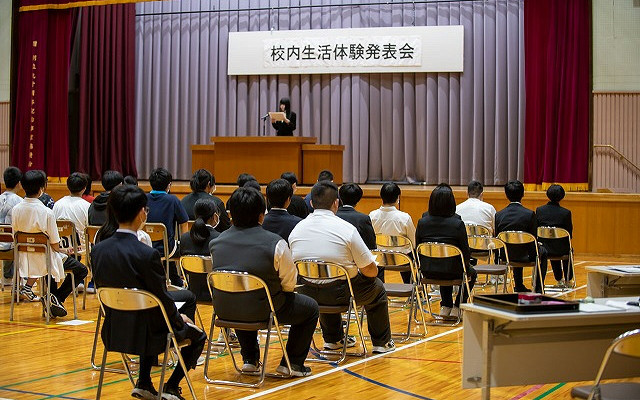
603	223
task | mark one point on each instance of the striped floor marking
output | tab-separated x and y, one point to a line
548	392
395	389
527	392
40	394
343	367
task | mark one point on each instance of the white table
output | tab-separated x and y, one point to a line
523	349
613	280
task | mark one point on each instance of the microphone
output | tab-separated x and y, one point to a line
265	116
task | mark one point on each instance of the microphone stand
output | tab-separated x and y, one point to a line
264	124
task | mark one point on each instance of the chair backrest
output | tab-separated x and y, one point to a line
67	229
386	241
477	230
238	296
438	250
552	232
196	264
392	260
31	242
90	233
516	237
318	269
156	231
6	234
628	344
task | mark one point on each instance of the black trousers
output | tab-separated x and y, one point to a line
446	292
368	292
562	270
517	272
301	312
189	300
79	272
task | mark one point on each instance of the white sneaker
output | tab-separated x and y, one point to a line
389	346
351	341
248	366
295	370
445	311
455	312
232	337
200	361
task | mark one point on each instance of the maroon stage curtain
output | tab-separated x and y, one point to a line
107	67
41	131
557	80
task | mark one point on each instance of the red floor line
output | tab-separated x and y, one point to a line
526	392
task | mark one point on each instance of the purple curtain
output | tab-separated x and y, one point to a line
106	136
448	127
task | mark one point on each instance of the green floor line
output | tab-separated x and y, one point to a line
548	392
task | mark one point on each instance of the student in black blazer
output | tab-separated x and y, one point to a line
278	220
441	224
298	207
516	217
122	261
203	184
553	214
350	194
286	127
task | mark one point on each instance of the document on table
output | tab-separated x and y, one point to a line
627	269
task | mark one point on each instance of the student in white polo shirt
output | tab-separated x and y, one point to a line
74	208
32	216
474	210
325	236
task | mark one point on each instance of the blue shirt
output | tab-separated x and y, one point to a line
167	209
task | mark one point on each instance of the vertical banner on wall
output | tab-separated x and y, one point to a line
40	139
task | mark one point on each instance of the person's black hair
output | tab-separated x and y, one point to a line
109	227
442	203
323	194
389	193
350	194
244	178
131	180
200	179
246	205
555	193
278	192
88	188
32	181
12	176
160	179
252	184
514	190
325	175
475	189
111	179
204	209
126	201
76	183
287	104
290	177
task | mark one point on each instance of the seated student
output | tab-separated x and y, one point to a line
203	184
324	175
350	194
441	224
249	248
515	217
242	179
121	261
44	197
553	214
167	209
278	220
8	199
130	180
252	184
88	190
196	242
474	210
297	207
98	209
32	216
74	208
388	220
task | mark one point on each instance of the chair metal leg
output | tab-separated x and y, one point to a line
15	293
73	292
104	361
164	365
438	318
184	368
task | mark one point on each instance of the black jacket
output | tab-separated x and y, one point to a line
122	261
516	217
553	214
189	201
298	207
280	222
283	129
362	222
98	209
449	230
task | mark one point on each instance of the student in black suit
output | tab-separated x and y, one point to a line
324	175
441	224
123	261
203	184
515	217
553	214
286	127
297	207
278	220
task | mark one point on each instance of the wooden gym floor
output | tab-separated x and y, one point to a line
52	362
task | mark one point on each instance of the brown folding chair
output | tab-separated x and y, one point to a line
549	233
90	233
228	315
311	269
6	237
67	229
134	300
443	250
200	265
158	232
521	238
489	245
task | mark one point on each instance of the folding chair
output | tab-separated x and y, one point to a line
476	230
6	237
32	243
229	291
441	251
133	300
551	233
489	244
627	344
393	260
157	231
68	229
310	270
196	265
90	233
522	238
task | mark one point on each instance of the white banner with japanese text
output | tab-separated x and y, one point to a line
348	51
